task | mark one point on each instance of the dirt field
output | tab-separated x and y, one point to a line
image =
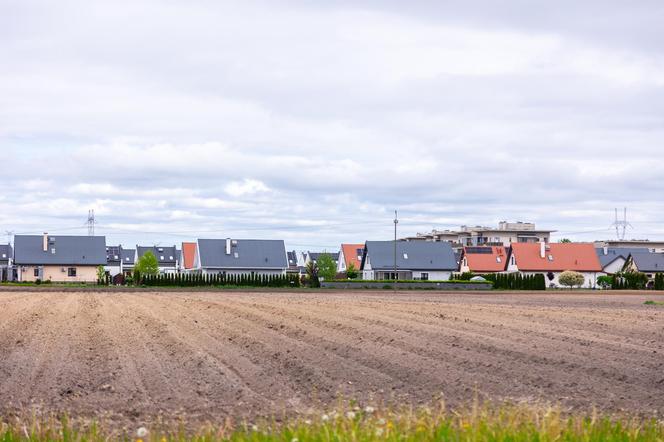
134	355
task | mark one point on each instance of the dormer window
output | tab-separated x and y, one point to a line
405	256
237	255
550	257
499	259
161	258
53	251
171	258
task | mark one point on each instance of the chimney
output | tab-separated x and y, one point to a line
542	250
606	250
228	246
45	242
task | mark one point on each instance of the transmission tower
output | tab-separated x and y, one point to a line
621	225
9	234
91	223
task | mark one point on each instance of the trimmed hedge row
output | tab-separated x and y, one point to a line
510	281
197	280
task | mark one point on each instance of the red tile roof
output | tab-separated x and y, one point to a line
493	259
350	254
188	254
558	257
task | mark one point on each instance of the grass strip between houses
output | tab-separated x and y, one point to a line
486	423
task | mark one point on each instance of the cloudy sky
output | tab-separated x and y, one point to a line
312	121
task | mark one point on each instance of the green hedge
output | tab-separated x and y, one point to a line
197	280
510	281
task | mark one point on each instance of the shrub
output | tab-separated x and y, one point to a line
605	281
352	272
571	279
327	268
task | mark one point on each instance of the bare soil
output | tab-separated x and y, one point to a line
132	356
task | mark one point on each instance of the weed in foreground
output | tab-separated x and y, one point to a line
651	302
485	423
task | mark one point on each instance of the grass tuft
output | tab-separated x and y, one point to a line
477	423
651	302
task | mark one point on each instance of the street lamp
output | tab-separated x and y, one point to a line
396	277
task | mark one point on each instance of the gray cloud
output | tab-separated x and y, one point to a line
312	122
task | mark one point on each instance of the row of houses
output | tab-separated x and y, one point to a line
77	259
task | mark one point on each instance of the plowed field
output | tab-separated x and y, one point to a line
212	355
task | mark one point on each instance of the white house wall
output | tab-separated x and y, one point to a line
590	279
615	266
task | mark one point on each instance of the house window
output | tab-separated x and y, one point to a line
53	251
36	272
237	255
71	272
499	259
161	258
513	261
171	258
4	255
424	276
405	256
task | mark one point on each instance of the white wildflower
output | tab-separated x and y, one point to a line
350	415
325	418
307	422
294	439
142	432
381	421
379	432
369	409
254	427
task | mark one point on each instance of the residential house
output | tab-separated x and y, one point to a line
645	262
473	236
241	256
313	256
6	256
421	260
167	257
651	246
128	260
350	254
553	259
113	260
293	266
486	259
59	258
188	260
613	259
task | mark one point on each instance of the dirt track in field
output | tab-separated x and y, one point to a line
213	355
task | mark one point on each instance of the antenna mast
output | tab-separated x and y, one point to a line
91	222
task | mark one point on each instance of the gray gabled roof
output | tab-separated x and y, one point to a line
245	254
166	256
315	255
614	253
62	250
128	257
292	259
411	255
648	262
5	253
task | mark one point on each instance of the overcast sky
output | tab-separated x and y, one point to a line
312	121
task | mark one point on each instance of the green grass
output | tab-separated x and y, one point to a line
651	302
506	423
